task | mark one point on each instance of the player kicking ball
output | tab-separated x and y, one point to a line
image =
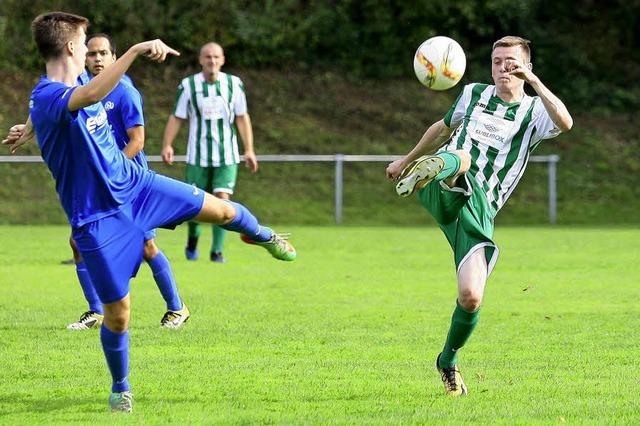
465	167
109	200
124	112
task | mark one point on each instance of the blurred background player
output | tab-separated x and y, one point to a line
215	105
473	173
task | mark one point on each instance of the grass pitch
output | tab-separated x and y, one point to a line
347	334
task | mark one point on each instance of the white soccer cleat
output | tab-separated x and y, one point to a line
87	320
419	174
121	402
175	319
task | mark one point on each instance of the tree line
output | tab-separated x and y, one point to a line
587	51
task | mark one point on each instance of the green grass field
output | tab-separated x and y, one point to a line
347	334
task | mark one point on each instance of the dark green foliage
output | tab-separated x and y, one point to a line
588	51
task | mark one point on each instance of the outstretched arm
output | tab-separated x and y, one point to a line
435	136
554	106
103	83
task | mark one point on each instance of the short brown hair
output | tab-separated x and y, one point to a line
53	30
509	41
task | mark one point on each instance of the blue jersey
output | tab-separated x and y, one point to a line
93	177
124	110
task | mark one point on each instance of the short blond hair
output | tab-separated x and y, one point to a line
510	41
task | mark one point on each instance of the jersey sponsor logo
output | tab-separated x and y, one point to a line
109	105
491	128
95	122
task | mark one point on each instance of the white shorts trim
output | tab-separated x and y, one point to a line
466	192
225	190
492	262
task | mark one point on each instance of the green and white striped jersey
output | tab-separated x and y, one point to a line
498	135
211	109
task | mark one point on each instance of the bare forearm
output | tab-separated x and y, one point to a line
102	84
243	123
136	142
554	106
171	131
435	136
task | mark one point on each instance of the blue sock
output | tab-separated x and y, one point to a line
87	288
246	223
163	276
116	350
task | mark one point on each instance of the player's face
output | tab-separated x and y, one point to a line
211	59
501	64
99	55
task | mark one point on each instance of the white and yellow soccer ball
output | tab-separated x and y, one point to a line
439	63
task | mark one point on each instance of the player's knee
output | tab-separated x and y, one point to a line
470	299
216	211
465	161
76	253
150	250
116	315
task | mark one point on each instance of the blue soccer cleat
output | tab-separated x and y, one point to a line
191	254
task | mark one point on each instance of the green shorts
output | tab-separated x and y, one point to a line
213	179
465	217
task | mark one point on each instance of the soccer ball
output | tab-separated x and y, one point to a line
439	63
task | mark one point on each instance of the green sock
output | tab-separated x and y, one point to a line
451	165
462	325
194	230
218	239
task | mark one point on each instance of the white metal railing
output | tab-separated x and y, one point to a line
339	160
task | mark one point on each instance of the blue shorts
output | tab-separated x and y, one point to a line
150	235
112	246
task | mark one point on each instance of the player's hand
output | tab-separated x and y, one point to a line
17	137
156	50
519	70
395	168
167	154
250	161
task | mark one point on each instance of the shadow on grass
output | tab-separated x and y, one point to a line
19	403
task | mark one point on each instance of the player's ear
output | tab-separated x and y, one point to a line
70	46
530	66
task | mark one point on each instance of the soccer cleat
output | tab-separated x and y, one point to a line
452	379
418	174
217	257
87	320
278	246
175	319
121	402
191	254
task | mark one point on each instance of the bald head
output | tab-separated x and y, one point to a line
211	46
211	60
